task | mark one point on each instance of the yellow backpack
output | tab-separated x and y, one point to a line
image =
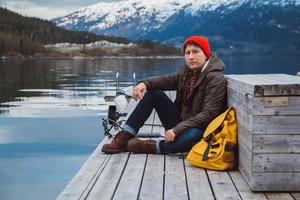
218	147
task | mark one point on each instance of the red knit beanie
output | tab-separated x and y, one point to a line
201	41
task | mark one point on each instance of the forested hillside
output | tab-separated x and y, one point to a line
28	35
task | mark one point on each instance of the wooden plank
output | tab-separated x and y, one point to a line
275	181
245	162
243	188
198	184
276	163
280	105
277	124
281	101
296	195
130	182
158	130
276	143
277	90
173	95
279	196
245	136
150	131
222	185
245	154
267	181
284	78
246	173
152	185
150	119
108	181
86	176
239	85
245	119
262	143
168	93
145	131
265	79
269	124
266	85
273	79
175	178
156	120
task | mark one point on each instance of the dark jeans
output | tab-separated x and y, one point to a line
169	116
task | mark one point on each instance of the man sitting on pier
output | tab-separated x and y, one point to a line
201	97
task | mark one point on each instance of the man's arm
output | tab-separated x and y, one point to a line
168	82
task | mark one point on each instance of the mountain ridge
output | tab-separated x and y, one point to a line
236	23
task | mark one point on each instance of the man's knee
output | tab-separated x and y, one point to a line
154	94
192	134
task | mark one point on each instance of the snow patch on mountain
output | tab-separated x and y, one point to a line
169	21
108	14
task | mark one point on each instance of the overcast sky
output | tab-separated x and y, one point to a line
47	9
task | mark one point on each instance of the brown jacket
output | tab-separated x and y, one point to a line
207	100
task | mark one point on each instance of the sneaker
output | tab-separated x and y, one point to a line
118	144
142	146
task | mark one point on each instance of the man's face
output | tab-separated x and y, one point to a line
194	57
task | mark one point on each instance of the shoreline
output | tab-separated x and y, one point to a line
87	57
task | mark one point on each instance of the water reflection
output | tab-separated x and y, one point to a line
50	114
63	104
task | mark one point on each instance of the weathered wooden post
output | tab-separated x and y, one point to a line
268	113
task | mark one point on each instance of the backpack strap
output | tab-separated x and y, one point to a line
211	128
216	123
206	152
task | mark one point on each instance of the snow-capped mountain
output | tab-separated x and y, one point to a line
170	21
102	16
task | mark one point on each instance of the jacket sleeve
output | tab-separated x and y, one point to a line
168	82
214	103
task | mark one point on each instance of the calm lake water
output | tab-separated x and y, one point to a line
51	111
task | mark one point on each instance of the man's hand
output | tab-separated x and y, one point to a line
139	91
170	135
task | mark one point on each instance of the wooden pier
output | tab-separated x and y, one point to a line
129	176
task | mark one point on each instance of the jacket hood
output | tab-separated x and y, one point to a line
215	64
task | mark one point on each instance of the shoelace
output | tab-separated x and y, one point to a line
120	137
